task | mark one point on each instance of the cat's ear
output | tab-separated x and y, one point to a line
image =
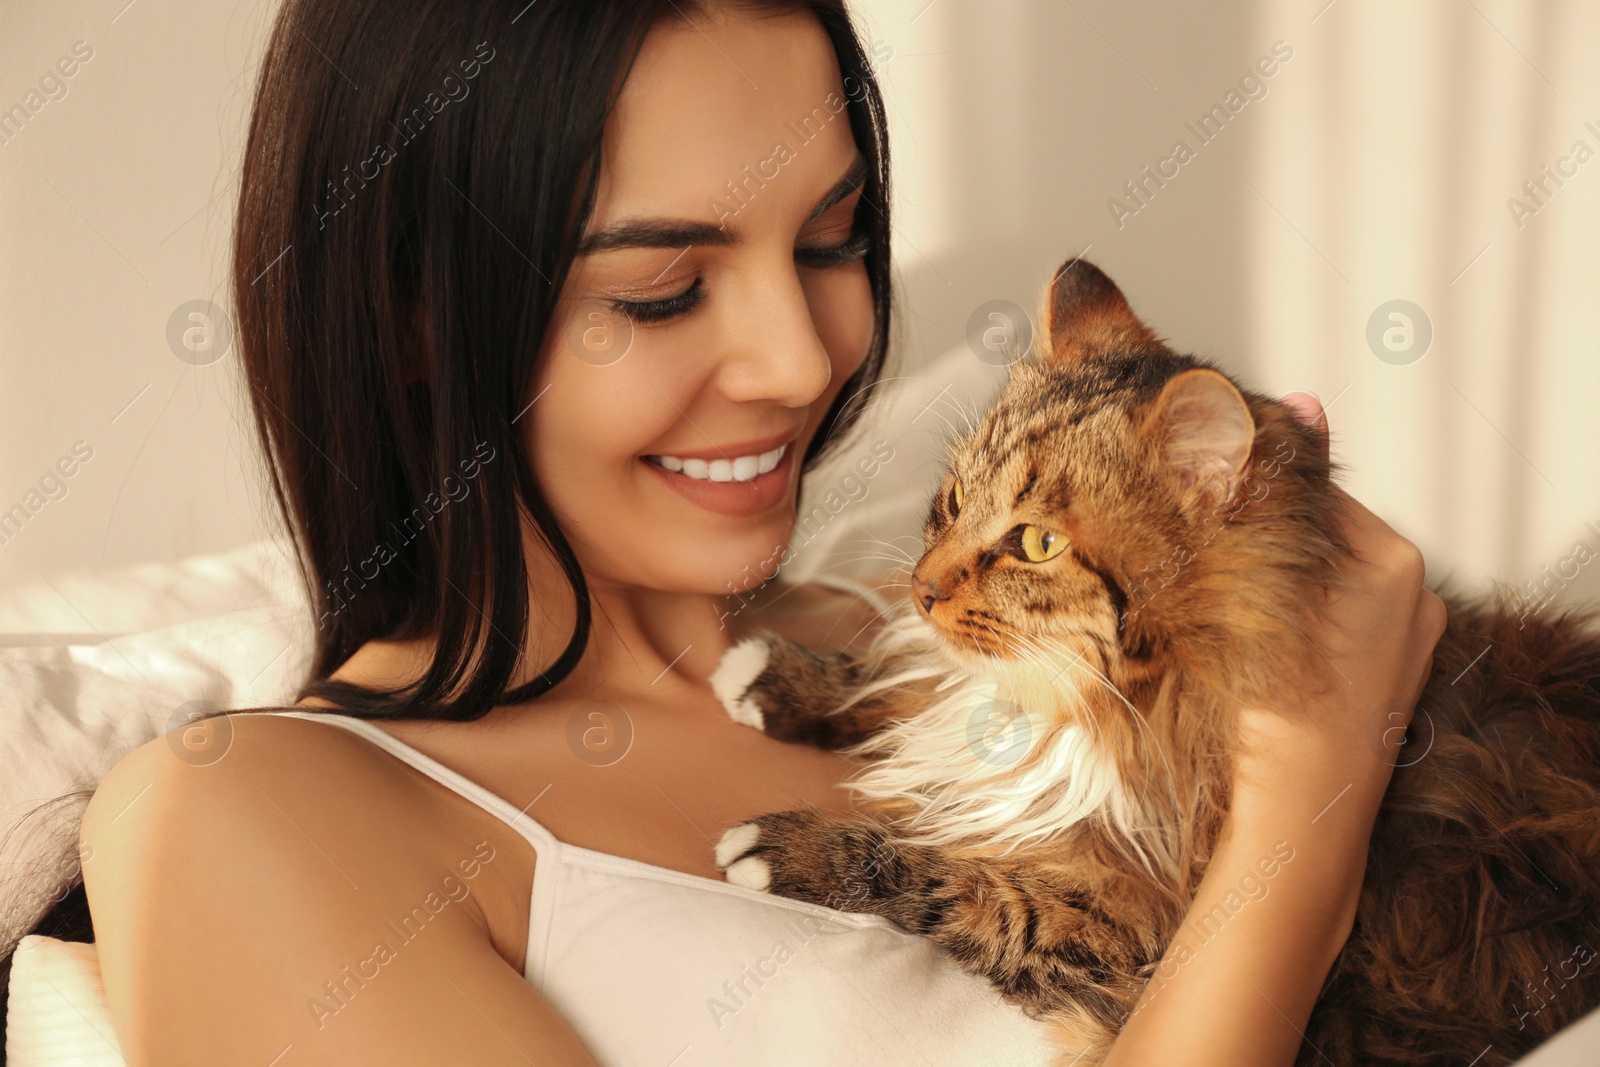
1204	431
1085	314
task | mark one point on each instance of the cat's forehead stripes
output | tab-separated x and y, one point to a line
1007	476
1033	480
1043	399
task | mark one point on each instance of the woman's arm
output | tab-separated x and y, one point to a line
1279	898
1272	913
250	910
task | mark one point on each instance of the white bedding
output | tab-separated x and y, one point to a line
58	1014
81	684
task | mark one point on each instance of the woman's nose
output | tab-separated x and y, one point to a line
776	353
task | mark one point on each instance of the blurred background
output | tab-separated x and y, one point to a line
1393	206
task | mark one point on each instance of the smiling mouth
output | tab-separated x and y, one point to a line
735	469
740	480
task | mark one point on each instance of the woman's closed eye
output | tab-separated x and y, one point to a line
648	311
859	244
671	307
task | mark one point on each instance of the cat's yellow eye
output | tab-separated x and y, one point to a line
1039	545
955	498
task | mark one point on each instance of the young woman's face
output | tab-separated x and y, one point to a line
720	308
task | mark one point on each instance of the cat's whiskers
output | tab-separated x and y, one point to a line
865	395
900	564
953	433
969	417
966	416
1099	676
905	556
1071	702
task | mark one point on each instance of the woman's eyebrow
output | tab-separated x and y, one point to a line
675	233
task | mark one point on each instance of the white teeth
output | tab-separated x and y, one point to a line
738	469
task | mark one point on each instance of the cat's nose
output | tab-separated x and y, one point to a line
925	593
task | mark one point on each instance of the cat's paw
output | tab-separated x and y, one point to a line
808	856
735	861
789	692
734	680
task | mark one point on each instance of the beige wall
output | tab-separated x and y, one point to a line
1377	165
114	211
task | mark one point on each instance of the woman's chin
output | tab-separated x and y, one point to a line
757	565
717	566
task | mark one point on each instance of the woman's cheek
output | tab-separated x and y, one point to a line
567	448
841	307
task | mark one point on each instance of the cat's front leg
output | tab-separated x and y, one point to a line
824	699
1039	938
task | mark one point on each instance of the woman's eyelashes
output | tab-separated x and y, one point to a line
859	244
661	310
652	311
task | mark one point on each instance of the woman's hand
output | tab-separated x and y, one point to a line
1335	737
1285	877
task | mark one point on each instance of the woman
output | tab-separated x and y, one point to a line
544	309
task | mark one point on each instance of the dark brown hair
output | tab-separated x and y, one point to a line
414	182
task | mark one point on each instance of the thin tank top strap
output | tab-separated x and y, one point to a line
548	851
544	843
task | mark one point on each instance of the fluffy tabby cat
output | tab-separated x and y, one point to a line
1106	567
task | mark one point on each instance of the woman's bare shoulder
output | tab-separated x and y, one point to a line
240	790
283	882
246	787
238	754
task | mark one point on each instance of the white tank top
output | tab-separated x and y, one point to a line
653	967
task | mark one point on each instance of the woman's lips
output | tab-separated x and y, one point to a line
734	499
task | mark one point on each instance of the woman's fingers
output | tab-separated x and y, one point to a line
1308	409
1375	628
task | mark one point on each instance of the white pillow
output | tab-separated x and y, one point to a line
58	1014
70	710
87	605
